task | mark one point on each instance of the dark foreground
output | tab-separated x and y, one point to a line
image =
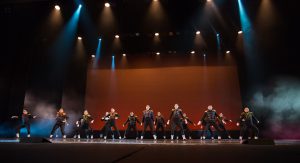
136	151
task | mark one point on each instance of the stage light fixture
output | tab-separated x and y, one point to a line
156	34
193	52
124	55
93	56
117	36
107	4
157	53
57	7
227	52
79	38
240	32
198	33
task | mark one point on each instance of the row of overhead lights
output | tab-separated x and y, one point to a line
158	53
157	34
57	7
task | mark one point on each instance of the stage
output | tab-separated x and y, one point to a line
99	150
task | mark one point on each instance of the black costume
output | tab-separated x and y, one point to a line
77	129
131	120
148	119
106	125
175	117
61	120
85	122
246	123
209	118
185	121
203	131
160	124
111	123
25	118
221	125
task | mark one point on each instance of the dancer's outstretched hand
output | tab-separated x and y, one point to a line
199	123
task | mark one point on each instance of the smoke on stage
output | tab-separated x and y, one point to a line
279	107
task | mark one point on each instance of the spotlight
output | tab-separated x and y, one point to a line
113	56
218	34
93	56
107	4
227	52
80	6
156	34
100	39
57	7
204	55
198	33
137	34
193	52
240	32
155	0
208	0
157	53
79	38
117	36
124	55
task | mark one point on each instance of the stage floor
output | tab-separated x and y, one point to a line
99	150
153	142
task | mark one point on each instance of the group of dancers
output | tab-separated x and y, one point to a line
177	119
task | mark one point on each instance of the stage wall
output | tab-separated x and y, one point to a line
192	87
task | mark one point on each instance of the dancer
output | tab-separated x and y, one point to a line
105	118
61	121
113	115
175	117
160	124
77	129
131	121
26	118
246	123
148	119
222	121
210	117
85	123
185	121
